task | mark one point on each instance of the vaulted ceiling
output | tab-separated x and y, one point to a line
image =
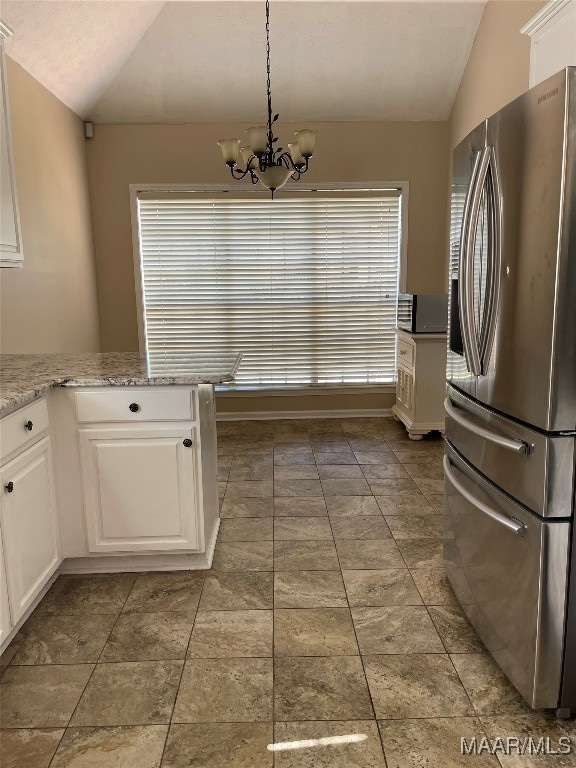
204	60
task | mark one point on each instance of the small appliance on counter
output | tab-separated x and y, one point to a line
423	313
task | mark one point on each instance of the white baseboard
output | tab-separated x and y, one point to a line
135	563
356	413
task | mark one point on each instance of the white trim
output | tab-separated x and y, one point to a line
543	16
356	413
5	30
138	277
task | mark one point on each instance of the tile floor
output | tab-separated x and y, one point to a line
325	628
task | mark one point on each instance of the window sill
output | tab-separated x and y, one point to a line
297	390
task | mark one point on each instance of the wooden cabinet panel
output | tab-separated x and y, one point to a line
141	488
29	525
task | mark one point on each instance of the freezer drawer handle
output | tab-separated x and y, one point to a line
518	446
507	522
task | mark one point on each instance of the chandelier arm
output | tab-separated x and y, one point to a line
238	173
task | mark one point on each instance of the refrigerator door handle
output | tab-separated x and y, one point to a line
517	446
466	275
494	193
508	522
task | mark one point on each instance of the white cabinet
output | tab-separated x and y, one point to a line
552	35
29	525
141	489
420	384
5	620
10	237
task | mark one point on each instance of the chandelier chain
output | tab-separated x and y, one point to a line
268	83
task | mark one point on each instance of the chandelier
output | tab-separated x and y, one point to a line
262	158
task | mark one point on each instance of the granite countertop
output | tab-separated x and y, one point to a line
23	378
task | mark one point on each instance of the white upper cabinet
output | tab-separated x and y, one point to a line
553	39
10	237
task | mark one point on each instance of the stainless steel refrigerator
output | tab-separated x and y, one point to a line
510	542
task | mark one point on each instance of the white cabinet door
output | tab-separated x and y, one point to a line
29	525
5	620
141	488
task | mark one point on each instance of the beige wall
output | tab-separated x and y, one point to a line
120	155
498	67
51	304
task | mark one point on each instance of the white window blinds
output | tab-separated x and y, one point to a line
305	286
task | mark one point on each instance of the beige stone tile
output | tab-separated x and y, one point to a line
415	685
243	556
388	586
296	506
300	444
309	589
297	488
314	632
352	506
434	586
430	469
219	634
219	745
222	485
293	457
302	528
28	747
243	459
172	591
335	445
335	457
457	633
256	472
320	688
396	629
368	553
149	636
237	591
436	501
246	507
41	697
246	529
93	594
362	527
429	486
376	458
65	640
384	472
404	503
422	553
123	746
129	693
296	472
225	690
393	485
257	489
368	444
416	526
305	556
536	725
489	689
433	742
340	472
348	487
332	744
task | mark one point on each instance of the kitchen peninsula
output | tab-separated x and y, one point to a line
108	462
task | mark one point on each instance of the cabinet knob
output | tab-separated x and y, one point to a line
9	486
28	426
187	443
134	407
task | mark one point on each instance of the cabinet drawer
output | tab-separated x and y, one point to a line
23	426
130	404
405	353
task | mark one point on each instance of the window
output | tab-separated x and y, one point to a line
305	286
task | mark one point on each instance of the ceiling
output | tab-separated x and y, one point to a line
204	61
